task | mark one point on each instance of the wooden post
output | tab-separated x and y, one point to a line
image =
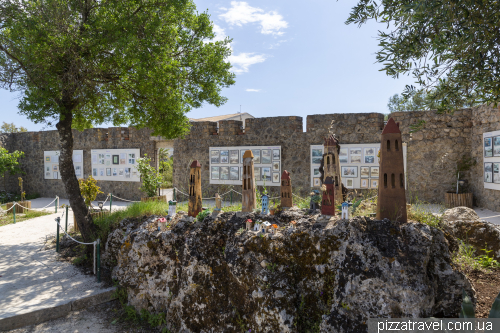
249	198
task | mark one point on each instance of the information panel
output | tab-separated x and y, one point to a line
226	164
51	164
359	165
491	166
115	164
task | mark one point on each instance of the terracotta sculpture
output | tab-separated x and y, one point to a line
286	190
195	201
391	202
330	165
249	199
328	199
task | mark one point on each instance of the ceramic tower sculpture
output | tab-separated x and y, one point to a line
328	197
331	164
391	202
286	190
249	199
195	189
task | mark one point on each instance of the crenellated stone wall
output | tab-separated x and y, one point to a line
33	144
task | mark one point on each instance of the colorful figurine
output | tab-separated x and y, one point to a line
249	199
293	224
330	164
391	201
249	223
257	224
265	204
195	189
345	210
328	200
161	223
274	229
286	190
315	200
265	227
172	205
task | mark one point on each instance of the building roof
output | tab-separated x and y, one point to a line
391	127
331	141
248	154
285	175
195	164
219	118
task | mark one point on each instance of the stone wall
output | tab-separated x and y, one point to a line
33	144
484	119
284	131
435	142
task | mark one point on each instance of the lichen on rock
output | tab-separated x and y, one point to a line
212	277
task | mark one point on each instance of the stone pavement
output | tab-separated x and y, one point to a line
31	278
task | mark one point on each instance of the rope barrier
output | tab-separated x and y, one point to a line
73	238
114	196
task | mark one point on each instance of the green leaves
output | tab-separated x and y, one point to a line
9	162
151	178
140	62
467	309
449	47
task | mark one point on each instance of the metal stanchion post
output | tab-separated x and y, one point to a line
110	201
14	211
174	195
67	218
58	219
98	260
57	203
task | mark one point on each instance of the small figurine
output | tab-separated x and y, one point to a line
265	204
315	199
345	210
293	224
249	224
172	205
161	223
266	226
274	229
218	202
257	224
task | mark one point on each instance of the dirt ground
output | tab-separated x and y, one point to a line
487	286
101	318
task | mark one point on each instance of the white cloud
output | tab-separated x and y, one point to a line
241	13
253	90
220	34
243	61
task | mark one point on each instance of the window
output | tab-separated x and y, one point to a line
388	145
393	181
385	180
396	146
401	180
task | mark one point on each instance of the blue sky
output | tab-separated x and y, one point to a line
291	58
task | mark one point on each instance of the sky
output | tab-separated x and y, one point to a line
290	59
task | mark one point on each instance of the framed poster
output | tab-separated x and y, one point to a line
317	182
316	172
51	167
496	173
496	146
116	164
276	177
276	154
234	156
364	183
224	173
266	174
215	159
488	148
224	156
349	171
343	155
349	183
364	172
267	161
94	172
214	172
266	156
355	154
234	173
488	172
373	183
374	172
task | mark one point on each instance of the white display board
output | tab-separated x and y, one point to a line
226	164
51	164
359	165
491	165
119	165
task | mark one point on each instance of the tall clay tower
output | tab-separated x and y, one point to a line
328	200
331	164
286	190
391	202
249	199
195	189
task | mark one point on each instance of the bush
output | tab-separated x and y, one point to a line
151	178
89	190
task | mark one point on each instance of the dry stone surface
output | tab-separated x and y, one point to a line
211	277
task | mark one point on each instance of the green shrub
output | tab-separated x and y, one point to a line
151	178
201	215
467	310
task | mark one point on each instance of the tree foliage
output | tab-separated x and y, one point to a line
450	47
166	168
9	162
11	128
89	190
151	178
139	62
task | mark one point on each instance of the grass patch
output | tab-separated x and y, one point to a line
9	218
466	258
418	213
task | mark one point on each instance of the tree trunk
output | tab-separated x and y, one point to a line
80	210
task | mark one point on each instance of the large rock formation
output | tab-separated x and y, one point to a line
466	225
211	276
